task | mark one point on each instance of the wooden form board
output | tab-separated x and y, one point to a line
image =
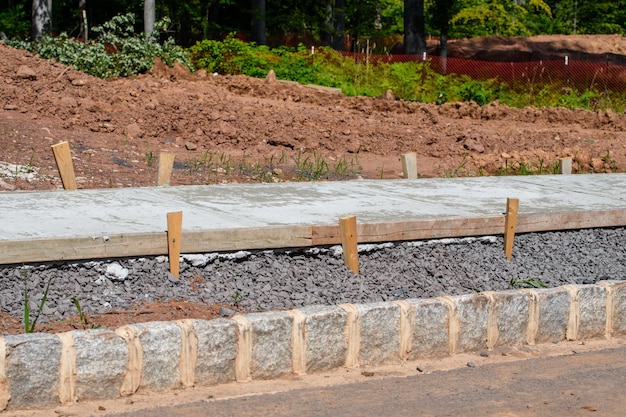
166	165
409	165
349	242
147	244
174	234
510	223
63	158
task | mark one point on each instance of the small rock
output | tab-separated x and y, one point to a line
388	96
116	272
6	186
471	365
367	373
168	139
484	354
191	146
556	340
63	413
227	312
133	130
597	163
10	107
26	73
474	145
78	82
101	408
68	102
419	369
271	77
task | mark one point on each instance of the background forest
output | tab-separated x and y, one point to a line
121	38
337	23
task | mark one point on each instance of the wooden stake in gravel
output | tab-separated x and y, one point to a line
63	157
347	227
166	164
174	233
510	222
409	165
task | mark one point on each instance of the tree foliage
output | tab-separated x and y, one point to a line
328	21
497	17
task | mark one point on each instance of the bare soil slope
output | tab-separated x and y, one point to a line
117	127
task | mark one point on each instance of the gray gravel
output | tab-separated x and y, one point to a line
292	278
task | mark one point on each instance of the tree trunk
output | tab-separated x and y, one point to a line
41	18
339	25
444	52
148	16
84	30
212	16
257	34
414	39
326	35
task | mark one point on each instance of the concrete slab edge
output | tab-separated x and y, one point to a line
105	364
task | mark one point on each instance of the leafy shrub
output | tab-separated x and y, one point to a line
117	52
477	91
297	65
412	81
232	56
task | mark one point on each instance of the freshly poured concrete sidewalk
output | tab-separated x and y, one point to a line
43	226
44	369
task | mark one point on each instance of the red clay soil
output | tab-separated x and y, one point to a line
240	129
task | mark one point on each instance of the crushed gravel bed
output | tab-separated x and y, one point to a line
280	279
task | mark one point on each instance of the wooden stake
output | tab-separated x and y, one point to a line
166	164
409	165
63	157
565	166
174	233
347	227
510	222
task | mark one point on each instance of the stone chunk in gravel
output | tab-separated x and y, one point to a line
116	272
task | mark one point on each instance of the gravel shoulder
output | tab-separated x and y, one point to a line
115	292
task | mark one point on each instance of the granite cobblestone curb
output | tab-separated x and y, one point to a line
39	369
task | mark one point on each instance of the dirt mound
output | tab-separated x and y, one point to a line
236	128
598	48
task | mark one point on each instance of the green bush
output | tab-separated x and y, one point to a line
412	81
117	52
477	91
232	56
297	65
